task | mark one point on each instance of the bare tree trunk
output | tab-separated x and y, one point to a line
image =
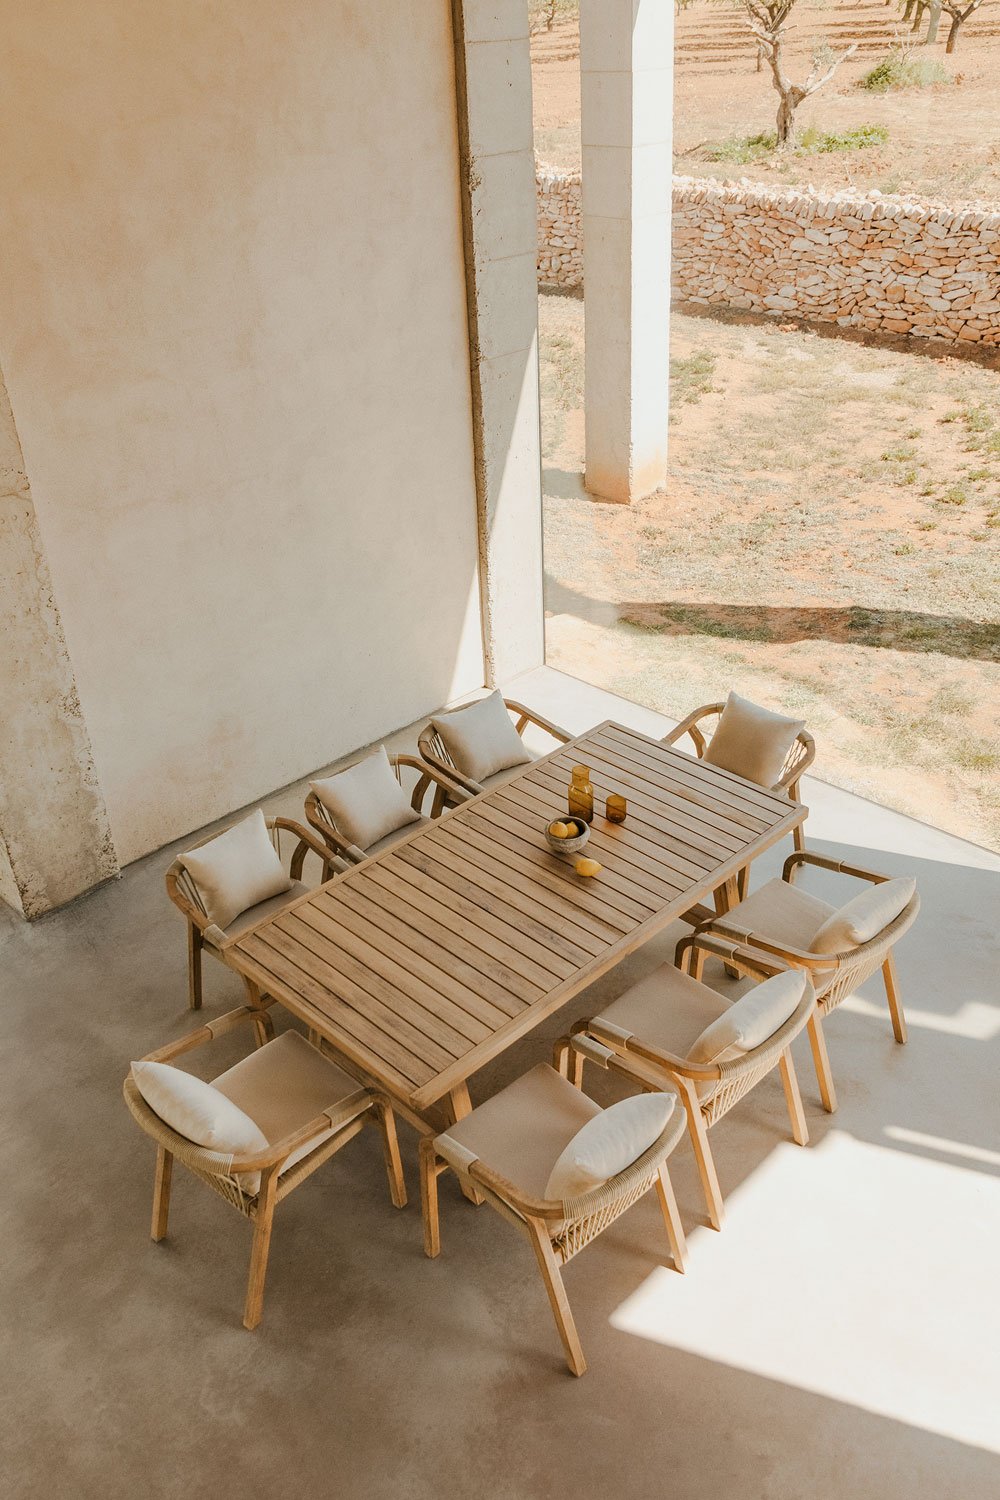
956	22
786	117
932	24
908	12
918	16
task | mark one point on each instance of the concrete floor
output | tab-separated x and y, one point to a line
839	1339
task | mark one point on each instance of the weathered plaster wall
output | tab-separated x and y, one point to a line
233	322
54	834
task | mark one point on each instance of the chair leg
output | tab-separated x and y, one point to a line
742	881
790	1082
263	1221
390	1150
161	1192
558	1301
561	1055
703	1156
671	1218
195	945
429	1198
891	981
799	838
821	1062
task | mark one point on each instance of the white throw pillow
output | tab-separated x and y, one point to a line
366	802
236	870
752	741
196	1110
481	738
609	1143
751	1020
863	918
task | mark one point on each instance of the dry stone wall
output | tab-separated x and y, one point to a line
872	261
888	264
560	228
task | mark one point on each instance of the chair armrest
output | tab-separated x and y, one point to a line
796	958
307	841
824	862
640	1061
690	726
455	790
206	1033
529	716
751	961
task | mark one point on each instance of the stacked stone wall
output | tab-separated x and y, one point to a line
560	228
882	263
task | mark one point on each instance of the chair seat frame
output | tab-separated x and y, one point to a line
447	793
708	1090
435	756
558	1230
835	976
227	1175
201	931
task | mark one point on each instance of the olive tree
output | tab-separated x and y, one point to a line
767	20
959	14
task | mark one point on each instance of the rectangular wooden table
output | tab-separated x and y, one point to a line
429	959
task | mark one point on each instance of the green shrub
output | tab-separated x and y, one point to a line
901	69
742	149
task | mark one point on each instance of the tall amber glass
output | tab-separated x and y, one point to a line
580	799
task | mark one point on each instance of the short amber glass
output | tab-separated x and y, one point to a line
616	808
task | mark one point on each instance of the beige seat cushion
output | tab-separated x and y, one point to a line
366	802
522	1131
281	1087
784	913
752	741
236	870
864	917
197	1110
394	837
607	1144
481	739
667	1009
752	1019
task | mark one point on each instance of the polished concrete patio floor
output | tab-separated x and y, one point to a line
840	1338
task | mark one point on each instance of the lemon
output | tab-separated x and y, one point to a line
561	830
587	867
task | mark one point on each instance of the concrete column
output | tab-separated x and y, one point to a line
493	74
55	841
626	61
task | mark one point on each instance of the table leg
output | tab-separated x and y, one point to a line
726	896
458	1105
262	1023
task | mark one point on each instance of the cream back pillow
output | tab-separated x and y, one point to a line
609	1143
197	1111
366	802
752	741
752	1020
236	870
865	916
481	738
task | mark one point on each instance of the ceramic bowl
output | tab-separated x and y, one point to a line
568	846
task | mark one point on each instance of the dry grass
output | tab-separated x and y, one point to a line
828	543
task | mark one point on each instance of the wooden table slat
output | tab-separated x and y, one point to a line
726	785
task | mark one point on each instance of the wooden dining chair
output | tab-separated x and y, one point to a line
306	1109
437	758
445	792
506	1149
783	921
206	936
676	1032
700	726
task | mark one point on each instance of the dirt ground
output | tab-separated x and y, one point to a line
944	140
828	543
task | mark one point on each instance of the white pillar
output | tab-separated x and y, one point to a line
493	73
626	61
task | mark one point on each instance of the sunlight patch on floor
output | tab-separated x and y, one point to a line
862	1273
973	1019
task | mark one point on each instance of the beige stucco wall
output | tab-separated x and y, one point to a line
233	325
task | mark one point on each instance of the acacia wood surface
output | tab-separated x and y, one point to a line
426	961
